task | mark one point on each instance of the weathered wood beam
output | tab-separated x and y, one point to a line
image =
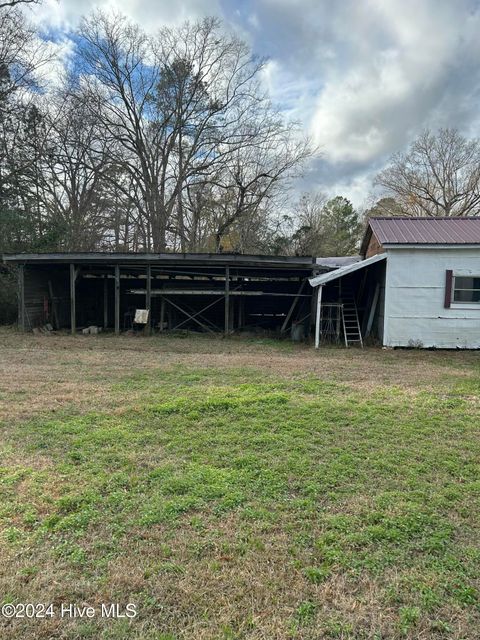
216	292
148	300
227	300
318	317
73	309
373	309
54	303
292	307
117	299
199	314
105	302
241	312
162	313
204	326
21	297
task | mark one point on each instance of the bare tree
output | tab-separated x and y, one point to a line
438	176
386	206
308	237
257	174
71	180
180	110
153	143
14	3
22	54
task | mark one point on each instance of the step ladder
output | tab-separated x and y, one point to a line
351	324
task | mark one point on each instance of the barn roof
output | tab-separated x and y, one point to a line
95	257
399	230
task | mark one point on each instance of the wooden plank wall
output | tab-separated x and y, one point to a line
36	290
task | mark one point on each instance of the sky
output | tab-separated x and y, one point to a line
362	77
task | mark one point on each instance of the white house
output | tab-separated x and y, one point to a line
418	284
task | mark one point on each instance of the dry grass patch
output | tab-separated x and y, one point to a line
240	490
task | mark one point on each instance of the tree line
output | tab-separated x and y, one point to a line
149	143
169	142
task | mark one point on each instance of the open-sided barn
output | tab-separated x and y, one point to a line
417	283
206	292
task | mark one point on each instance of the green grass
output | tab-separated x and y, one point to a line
231	504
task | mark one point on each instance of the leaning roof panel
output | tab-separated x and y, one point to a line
345	270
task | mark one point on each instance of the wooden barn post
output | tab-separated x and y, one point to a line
318	317
117	299
21	297
73	310
148	302
105	302
227	300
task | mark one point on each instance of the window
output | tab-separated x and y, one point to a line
466	289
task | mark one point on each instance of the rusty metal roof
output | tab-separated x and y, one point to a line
395	230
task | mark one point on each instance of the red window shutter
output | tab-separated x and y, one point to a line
448	288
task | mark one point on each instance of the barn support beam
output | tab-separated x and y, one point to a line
373	309
318	317
21	297
148	300
190	316
117	299
227	300
292	307
198	314
162	312
241	313
105	302
73	302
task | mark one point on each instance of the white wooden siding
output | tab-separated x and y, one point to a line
414	299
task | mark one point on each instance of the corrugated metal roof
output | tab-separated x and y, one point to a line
343	271
426	230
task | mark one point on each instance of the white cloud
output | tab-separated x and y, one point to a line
399	78
60	53
151	14
363	76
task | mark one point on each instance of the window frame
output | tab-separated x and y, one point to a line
463	304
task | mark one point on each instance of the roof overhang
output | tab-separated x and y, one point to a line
220	259
344	271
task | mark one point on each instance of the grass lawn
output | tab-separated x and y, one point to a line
239	489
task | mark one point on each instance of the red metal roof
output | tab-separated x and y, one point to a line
397	230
